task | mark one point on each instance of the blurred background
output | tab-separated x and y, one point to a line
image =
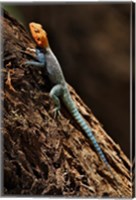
92	44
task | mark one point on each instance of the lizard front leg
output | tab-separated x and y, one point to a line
40	59
55	93
34	63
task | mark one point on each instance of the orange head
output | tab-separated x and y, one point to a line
39	35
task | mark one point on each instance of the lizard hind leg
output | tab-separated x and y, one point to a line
55	93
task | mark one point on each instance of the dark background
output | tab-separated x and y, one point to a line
92	43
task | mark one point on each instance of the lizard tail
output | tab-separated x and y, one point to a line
83	124
85	127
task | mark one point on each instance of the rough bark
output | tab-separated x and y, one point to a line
47	156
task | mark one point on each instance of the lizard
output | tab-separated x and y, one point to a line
46	58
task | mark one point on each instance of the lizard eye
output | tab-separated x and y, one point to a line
38	39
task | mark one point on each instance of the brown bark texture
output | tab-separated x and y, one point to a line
47	156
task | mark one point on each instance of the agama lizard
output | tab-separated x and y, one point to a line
47	59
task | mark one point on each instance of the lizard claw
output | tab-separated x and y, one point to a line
31	50
56	113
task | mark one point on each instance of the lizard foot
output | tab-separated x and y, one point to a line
30	50
56	113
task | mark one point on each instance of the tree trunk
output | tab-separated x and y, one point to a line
47	156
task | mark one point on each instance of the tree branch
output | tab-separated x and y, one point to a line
47	156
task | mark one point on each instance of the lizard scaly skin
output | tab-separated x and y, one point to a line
47	59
